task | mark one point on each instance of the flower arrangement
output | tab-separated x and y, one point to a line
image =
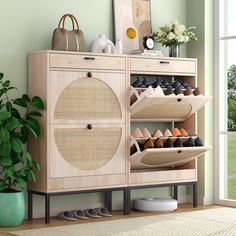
174	33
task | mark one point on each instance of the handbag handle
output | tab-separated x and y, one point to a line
73	20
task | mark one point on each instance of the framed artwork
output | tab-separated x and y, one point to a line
132	21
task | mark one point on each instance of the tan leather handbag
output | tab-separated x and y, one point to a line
68	40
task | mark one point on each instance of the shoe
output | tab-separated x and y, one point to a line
198	142
178	91
196	92
141	85
158	91
183	132
157	134
188	91
146	133
165	84
176	84
102	211
156	83
169	91
167	133
184	84
177	143
92	213
168	143
148	144
147	92
146	83
137	133
79	214
176	132
136	83
66	215
189	143
158	143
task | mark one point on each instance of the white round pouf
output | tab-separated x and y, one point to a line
155	204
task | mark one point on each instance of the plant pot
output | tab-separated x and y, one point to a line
174	51
12	208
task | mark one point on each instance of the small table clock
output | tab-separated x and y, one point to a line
148	42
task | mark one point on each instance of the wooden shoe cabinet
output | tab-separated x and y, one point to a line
85	138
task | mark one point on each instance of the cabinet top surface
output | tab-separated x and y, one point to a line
110	55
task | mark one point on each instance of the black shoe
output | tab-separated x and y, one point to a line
156	83
168	143
189	143
146	83
176	84
164	84
177	143
169	90
198	142
177	90
136	83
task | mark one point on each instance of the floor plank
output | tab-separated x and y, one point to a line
39	223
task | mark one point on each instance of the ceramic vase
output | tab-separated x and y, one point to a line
12	208
174	51
119	47
99	44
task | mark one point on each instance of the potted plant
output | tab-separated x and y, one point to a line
17	121
174	34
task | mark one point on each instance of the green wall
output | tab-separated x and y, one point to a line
27	26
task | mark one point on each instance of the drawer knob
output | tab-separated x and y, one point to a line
179	151
90	74
164	62
89	126
179	100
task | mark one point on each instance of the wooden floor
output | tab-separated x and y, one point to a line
39	223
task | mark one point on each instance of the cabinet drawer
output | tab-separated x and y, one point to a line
87	62
163	66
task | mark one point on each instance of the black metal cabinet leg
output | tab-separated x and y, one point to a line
126	208
30	205
194	194
108	200
47	208
175	187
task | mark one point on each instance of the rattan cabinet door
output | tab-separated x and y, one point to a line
76	97
87	149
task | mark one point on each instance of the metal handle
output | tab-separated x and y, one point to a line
164	62
89	58
179	99
89	74
89	126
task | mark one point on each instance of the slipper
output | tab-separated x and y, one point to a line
102	211
79	214
66	215
92	213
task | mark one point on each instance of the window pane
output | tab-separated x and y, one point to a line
231	167
230	7
230	74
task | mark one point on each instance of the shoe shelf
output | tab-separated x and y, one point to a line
163	157
164	108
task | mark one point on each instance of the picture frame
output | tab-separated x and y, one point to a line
132	22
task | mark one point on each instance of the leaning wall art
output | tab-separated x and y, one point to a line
132	21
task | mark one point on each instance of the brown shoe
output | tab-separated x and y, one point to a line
148	144
188	91
196	92
158	143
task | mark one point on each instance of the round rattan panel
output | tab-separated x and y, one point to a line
87	149
87	98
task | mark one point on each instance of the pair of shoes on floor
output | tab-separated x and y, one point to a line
159	143
84	215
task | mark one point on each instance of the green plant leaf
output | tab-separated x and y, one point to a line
32	176
2	91
6	83
33	126
10	171
26	97
4	134
28	157
22	182
4	115
15	113
36	165
24	134
8	106
34	113
10	88
37	103
1	76
16	144
20	102
13	124
5	148
6	161
3	186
